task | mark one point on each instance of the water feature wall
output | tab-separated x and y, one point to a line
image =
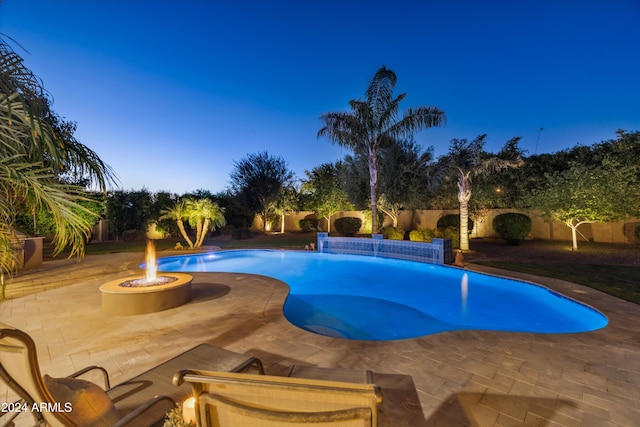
439	251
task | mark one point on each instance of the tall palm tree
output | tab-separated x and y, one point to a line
467	160
373	123
178	213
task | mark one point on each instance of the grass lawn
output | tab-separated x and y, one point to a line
618	280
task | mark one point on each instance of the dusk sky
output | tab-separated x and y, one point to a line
170	93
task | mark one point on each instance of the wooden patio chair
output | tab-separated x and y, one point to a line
225	399
67	401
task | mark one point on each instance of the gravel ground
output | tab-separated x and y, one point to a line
554	251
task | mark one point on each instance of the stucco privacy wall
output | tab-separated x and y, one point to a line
612	232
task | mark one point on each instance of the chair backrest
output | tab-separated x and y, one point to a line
19	369
226	399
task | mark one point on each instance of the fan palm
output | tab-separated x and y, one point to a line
373	124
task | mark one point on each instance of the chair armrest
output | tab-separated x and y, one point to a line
178	377
141	410
104	372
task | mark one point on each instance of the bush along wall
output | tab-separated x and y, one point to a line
347	226
512	227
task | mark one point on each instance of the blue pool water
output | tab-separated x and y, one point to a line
368	298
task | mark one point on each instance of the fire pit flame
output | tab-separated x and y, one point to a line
151	278
152	266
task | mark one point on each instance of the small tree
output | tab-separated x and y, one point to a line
258	180
324	191
288	201
585	194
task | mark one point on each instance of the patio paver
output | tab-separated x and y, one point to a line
474	378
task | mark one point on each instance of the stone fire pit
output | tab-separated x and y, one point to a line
121	298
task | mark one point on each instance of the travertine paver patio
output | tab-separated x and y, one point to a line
475	378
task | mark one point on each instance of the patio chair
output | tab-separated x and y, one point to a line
225	399
68	401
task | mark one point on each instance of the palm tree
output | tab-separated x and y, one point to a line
203	213
372	124
466	160
36	148
178	213
44	138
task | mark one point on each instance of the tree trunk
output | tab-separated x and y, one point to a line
198	232
328	223
282	223
574	237
373	181
464	195
205	228
184	233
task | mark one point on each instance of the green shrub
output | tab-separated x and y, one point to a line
450	233
512	227
366	223
393	233
421	235
452	220
241	234
347	226
308	224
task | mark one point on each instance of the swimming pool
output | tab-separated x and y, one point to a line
367	298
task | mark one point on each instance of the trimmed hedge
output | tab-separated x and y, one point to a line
347	226
393	233
512	227
421	235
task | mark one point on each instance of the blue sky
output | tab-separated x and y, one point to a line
170	93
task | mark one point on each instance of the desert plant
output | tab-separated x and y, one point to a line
421	235
512	227
347	226
393	233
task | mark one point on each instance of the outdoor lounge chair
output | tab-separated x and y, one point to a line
236	399
67	401
141	401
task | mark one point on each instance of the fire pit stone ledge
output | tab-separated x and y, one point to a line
122	300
